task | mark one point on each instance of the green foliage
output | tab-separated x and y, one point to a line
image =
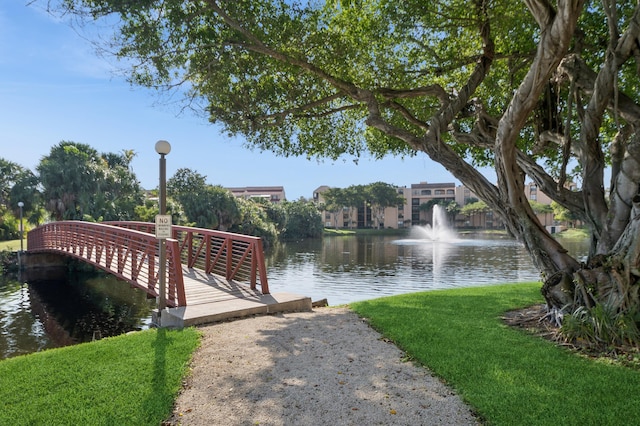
207	206
148	211
562	214
254	221
509	377
18	184
304	221
335	199
539	207
129	379
9	227
8	260
78	183
380	195
293	97
475	208
276	214
377	196
213	207
602	326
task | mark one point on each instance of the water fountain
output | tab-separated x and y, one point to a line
439	230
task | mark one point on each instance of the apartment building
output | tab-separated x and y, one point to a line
417	209
400	216
275	194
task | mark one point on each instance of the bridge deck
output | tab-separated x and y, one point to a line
212	298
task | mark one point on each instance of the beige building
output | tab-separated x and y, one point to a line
425	194
275	194
401	216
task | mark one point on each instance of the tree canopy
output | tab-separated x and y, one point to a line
214	207
544	90
18	184
376	196
79	183
381	195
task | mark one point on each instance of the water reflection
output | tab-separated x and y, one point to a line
21	333
50	314
347	269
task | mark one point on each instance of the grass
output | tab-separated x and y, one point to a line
130	379
574	233
366	231
12	245
507	375
338	232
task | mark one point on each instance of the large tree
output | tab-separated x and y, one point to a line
205	205
536	88
380	196
79	183
19	184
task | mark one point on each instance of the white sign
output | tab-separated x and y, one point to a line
163	226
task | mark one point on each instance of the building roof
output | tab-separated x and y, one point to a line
432	185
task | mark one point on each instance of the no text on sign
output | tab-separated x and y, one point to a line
163	226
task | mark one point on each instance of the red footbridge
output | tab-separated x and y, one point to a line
211	275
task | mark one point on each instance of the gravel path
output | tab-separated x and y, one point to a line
326	367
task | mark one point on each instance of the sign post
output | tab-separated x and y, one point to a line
163	231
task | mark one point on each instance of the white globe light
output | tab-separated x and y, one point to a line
163	147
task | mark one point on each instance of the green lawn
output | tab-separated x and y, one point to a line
509	376
126	380
13	245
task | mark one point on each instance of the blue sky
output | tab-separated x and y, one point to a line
53	87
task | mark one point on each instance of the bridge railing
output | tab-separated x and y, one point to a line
233	256
129	254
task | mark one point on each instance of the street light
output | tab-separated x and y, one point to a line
21	205
163	148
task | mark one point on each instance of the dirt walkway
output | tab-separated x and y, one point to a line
326	367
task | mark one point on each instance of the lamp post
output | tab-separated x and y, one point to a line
21	205
163	148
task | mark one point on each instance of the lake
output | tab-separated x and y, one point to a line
39	316
348	269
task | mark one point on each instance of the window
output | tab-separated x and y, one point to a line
426	192
451	192
439	192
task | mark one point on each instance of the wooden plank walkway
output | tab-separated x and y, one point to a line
212	298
